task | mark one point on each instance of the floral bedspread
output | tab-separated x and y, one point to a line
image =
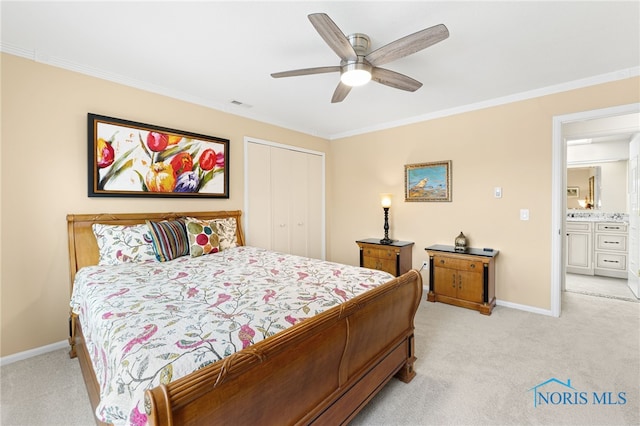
150	323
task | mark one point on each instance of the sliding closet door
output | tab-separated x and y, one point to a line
285	199
305	204
281	199
313	215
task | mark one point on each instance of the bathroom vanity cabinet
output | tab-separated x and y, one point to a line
597	248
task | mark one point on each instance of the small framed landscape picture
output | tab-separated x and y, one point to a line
573	192
428	181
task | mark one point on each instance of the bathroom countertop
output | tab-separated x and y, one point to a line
596	219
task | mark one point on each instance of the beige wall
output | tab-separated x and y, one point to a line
508	146
44	177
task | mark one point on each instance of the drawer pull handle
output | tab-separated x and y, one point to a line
612	242
442	261
611	261
473	265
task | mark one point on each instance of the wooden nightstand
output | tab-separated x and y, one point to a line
394	258
465	279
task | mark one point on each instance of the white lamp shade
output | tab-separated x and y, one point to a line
385	200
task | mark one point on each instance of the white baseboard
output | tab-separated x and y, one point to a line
10	359
524	307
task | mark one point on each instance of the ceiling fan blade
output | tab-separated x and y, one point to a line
333	36
395	79
408	45
340	93
305	71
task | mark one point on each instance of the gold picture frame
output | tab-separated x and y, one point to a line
428	181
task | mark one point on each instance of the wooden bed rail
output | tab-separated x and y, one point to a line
322	370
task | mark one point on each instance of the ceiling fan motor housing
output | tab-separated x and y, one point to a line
360	43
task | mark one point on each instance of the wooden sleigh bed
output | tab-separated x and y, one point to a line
322	370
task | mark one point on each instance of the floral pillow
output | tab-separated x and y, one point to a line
169	239
123	244
203	236
227	229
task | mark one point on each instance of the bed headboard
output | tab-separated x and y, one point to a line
83	248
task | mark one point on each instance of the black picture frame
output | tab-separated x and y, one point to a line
131	159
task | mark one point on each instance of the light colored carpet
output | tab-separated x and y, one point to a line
471	370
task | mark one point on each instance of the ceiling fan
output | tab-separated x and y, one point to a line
358	65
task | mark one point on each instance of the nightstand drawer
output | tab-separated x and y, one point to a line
380	253
387	265
459	264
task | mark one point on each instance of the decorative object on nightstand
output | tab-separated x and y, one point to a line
461	243
394	257
385	200
462	279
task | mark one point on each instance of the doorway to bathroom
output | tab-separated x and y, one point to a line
583	128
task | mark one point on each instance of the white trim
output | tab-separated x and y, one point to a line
516	97
526	308
558	176
247	113
20	356
248	140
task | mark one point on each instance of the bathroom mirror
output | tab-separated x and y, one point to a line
584	187
601	186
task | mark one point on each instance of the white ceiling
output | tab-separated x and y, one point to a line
213	53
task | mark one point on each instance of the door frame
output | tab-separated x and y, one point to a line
558	194
248	140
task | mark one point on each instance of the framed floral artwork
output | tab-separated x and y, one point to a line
130	159
427	181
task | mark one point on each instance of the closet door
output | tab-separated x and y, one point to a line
281	199
315	205
306	204
285	200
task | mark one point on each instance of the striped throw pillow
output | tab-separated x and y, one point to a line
169	238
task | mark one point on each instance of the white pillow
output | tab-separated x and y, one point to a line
123	244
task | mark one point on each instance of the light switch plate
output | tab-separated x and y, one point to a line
497	192
524	214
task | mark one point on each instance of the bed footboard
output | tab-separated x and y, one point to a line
323	370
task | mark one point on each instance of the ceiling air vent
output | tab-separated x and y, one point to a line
238	103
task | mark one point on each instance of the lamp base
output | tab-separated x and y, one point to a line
386	241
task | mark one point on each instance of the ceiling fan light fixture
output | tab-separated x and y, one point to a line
356	74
